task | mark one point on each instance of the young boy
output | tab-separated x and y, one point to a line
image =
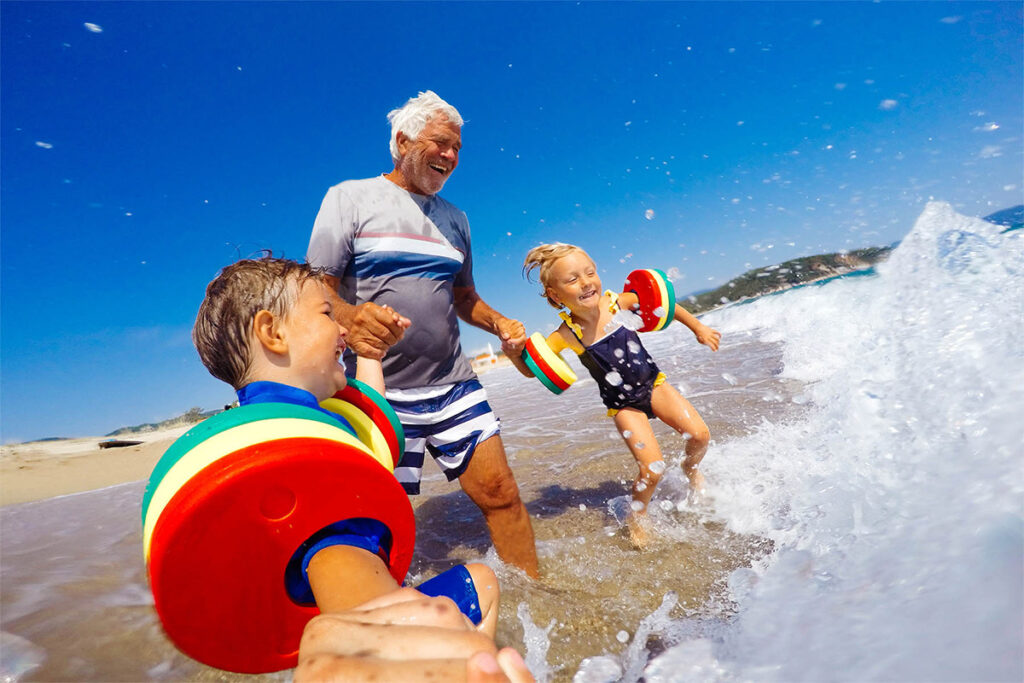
267	328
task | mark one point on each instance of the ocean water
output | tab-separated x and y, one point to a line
865	515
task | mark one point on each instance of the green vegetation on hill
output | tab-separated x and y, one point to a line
783	276
192	416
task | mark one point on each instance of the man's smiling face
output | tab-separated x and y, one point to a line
430	159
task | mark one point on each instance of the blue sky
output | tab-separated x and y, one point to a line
146	145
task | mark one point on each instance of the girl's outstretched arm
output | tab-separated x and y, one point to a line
705	335
517	360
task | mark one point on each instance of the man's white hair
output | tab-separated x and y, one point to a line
412	117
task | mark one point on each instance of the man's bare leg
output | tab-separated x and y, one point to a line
489	482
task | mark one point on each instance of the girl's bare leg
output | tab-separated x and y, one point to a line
636	430
679	414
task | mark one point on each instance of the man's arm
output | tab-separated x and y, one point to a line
372	329
475	311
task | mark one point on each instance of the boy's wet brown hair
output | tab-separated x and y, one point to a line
543	257
223	329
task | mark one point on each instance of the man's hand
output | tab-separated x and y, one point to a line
374	329
508	666
512	334
405	636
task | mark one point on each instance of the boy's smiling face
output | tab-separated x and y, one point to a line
315	342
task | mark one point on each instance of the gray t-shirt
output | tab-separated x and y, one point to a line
406	250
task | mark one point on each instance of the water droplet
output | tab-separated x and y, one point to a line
632	346
731	379
649	214
658	466
583	507
613	378
622	636
640	486
636	506
626	434
619	353
92	28
667	505
640	445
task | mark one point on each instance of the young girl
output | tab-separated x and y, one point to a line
631	386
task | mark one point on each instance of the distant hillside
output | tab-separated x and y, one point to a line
193	416
775	278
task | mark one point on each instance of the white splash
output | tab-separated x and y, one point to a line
896	505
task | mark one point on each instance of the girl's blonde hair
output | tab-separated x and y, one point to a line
543	258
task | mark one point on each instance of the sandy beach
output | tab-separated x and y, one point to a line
45	469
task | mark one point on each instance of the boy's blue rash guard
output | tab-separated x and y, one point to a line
368	534
275	392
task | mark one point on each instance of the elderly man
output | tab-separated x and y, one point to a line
391	242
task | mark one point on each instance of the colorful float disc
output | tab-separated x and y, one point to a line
219	426
544	368
366	399
546	365
385	407
539	374
223	520
656	309
661	310
670	290
541	350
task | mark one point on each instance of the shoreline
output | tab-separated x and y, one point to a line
47	469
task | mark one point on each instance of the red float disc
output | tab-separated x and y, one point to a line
548	371
643	284
383	404
221	545
360	400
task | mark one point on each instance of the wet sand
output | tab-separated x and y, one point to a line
47	469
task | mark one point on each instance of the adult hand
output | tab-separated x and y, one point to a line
507	667
374	329
403	636
512	334
708	337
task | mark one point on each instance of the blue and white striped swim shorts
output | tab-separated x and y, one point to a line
449	421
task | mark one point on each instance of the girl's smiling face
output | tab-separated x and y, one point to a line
573	282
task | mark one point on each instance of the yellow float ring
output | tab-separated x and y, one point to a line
366	429
554	360
234	439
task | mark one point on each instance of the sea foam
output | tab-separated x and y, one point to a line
896	503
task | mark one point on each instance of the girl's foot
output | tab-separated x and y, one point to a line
698	485
639	535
